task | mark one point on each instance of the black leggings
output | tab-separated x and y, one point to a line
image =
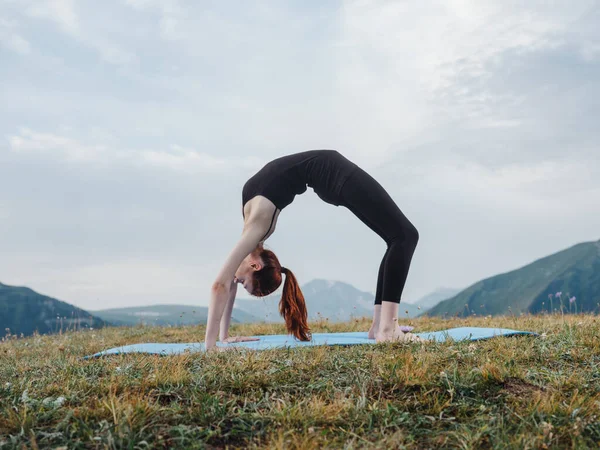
370	202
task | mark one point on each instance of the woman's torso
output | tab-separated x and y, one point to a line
283	178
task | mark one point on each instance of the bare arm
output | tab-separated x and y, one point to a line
223	286
226	319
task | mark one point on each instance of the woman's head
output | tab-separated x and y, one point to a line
261	274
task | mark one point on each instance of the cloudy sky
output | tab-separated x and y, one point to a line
128	128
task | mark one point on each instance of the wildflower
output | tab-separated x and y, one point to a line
55	403
550	296
547	430
558	294
572	299
7	385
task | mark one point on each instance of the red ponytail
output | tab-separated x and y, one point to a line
293	307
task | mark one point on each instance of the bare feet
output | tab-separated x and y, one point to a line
231	339
396	335
373	331
376	321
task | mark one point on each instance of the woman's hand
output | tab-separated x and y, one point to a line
232	339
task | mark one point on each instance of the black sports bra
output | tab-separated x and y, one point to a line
282	179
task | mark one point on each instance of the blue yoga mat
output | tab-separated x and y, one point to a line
284	341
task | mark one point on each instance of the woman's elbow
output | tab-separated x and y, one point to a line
219	288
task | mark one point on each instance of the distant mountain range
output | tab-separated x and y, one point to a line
163	315
430	300
335	300
574	272
23	310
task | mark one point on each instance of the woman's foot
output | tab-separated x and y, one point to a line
375	324
373	331
396	335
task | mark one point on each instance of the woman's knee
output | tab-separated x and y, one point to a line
413	234
407	234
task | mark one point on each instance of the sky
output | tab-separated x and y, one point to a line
128	128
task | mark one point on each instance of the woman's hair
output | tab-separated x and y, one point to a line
292	305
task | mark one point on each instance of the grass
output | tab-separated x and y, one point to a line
518	392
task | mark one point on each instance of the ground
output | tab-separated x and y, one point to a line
516	392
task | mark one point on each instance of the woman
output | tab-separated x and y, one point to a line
337	181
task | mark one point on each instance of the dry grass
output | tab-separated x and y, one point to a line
519	392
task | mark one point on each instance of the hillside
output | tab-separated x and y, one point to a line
164	315
335	300
575	272
23	310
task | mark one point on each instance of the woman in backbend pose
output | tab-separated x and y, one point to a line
337	181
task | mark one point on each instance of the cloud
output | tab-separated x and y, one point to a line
181	158
136	282
175	157
28	141
131	126
16	43
437	69
171	15
133	281
62	12
11	40
66	15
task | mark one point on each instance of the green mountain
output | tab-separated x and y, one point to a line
165	315
574	272
335	300
23	310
